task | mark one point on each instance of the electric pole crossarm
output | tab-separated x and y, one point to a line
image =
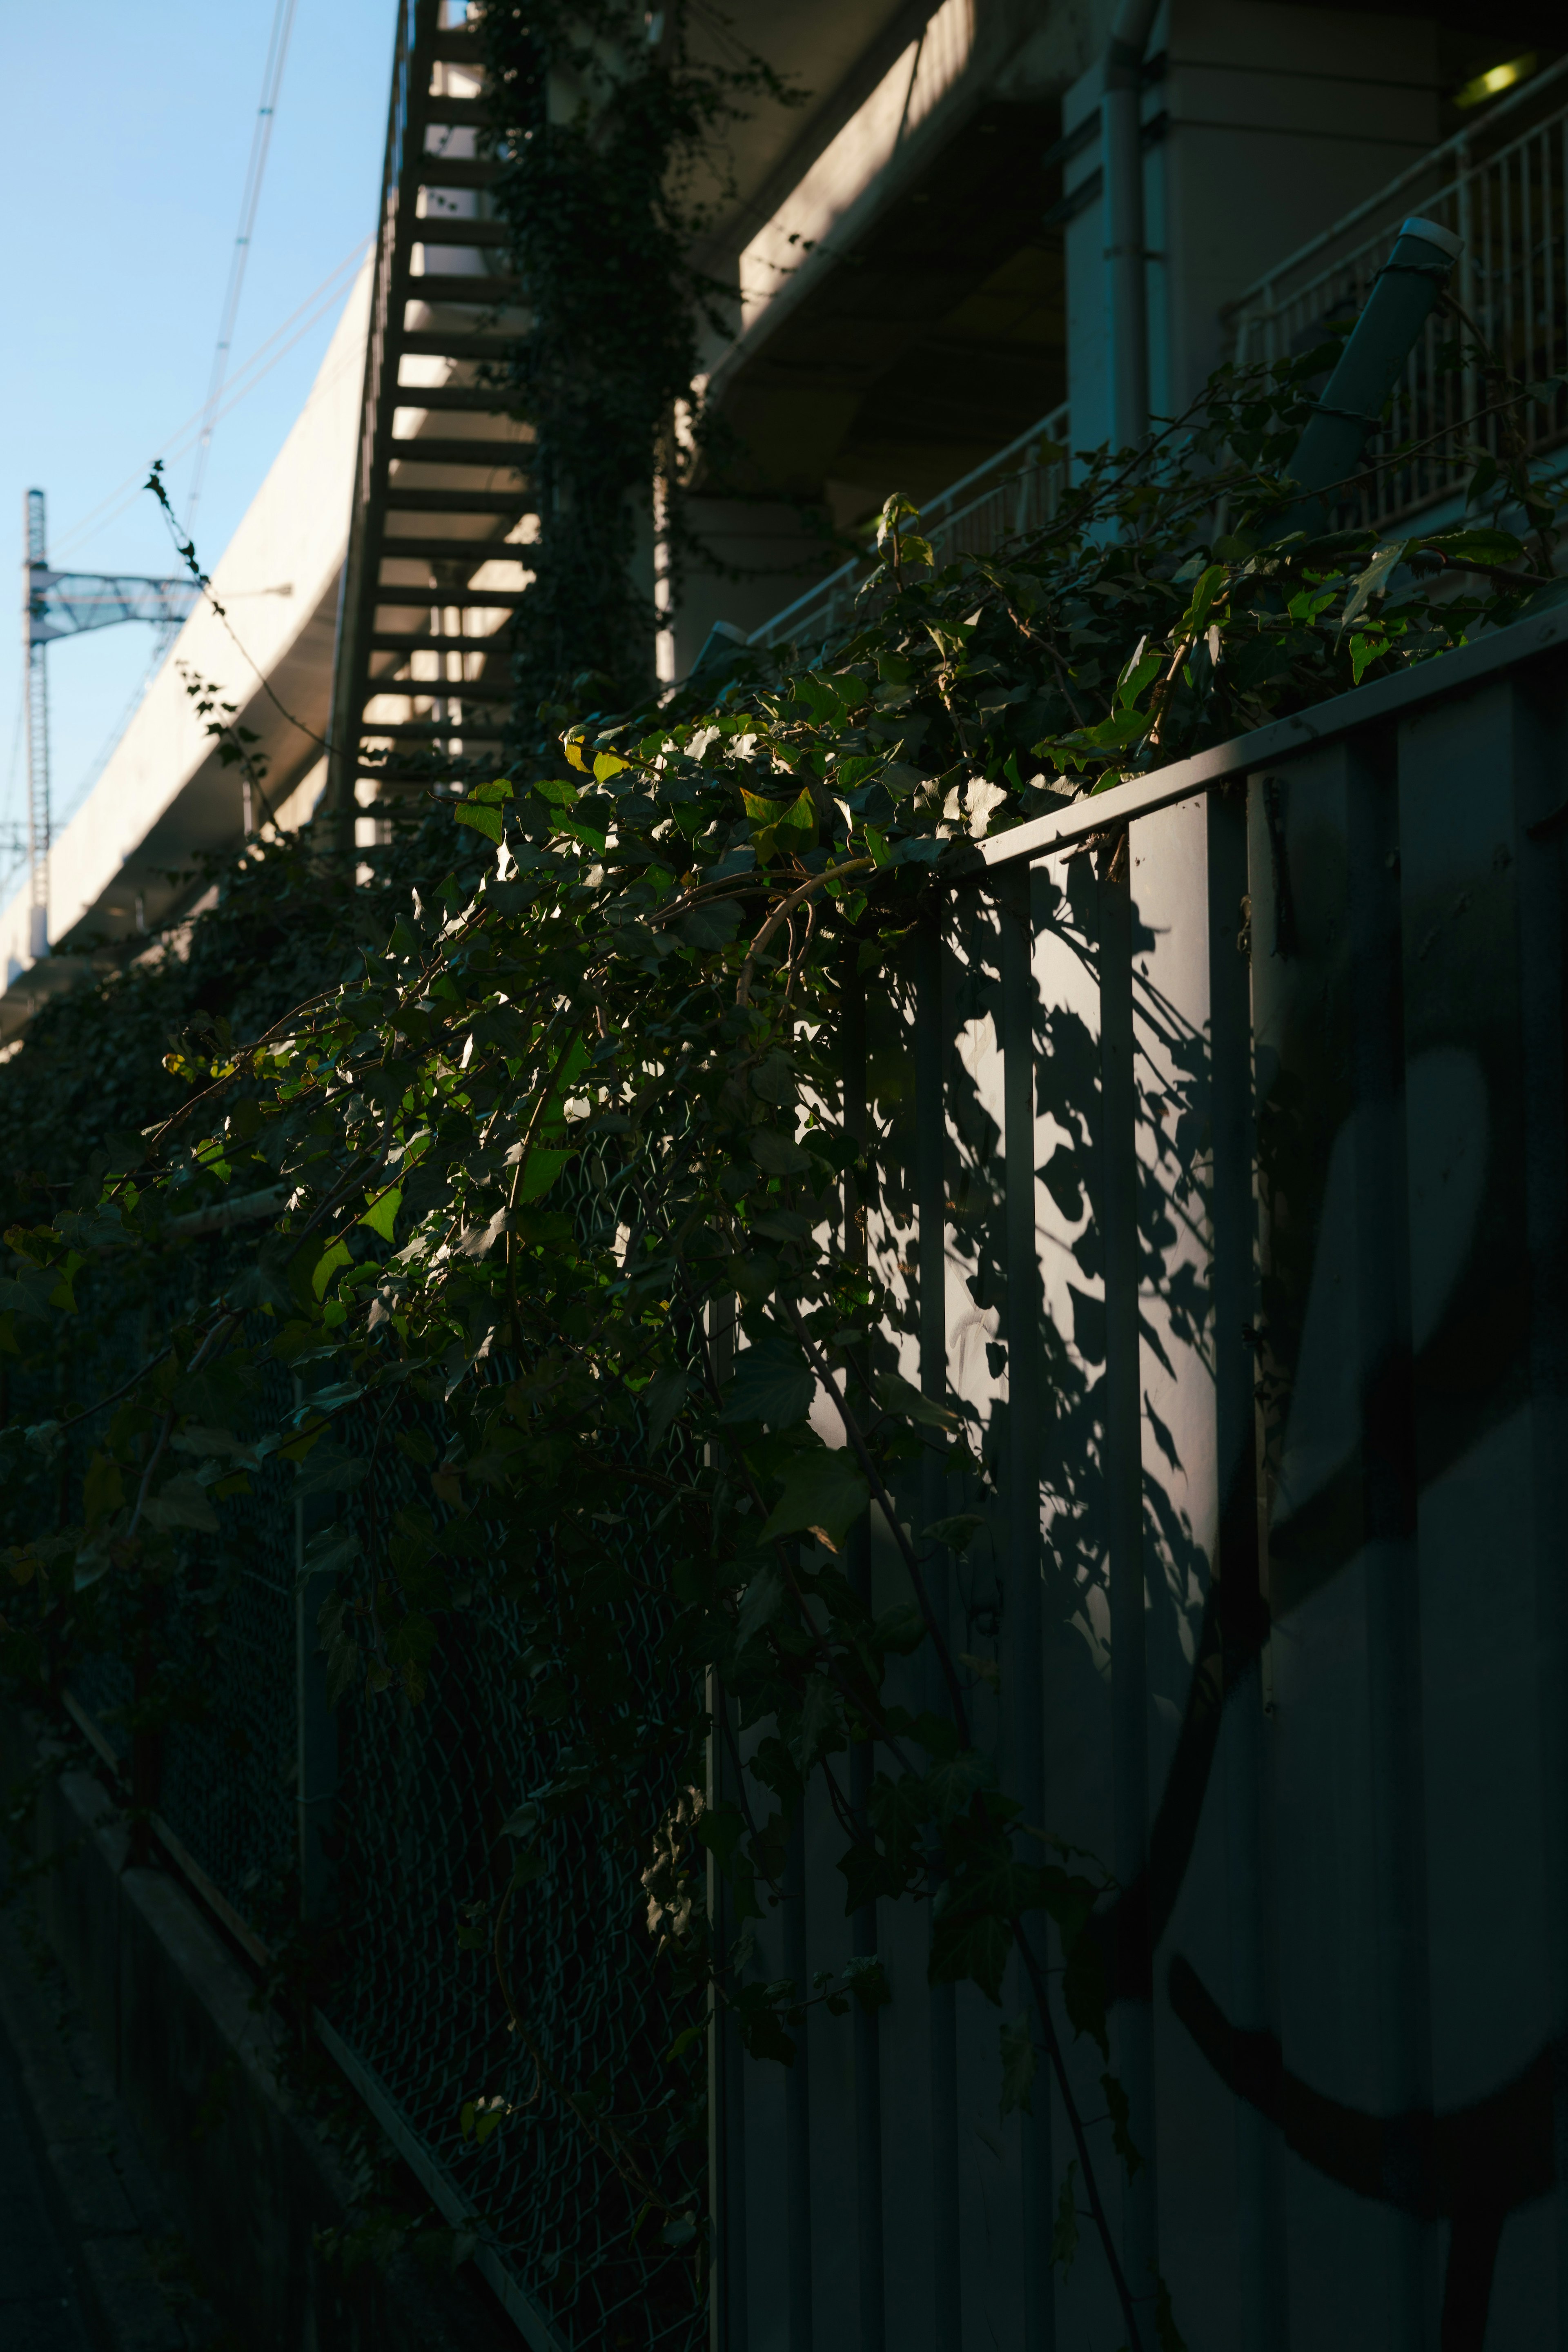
64	603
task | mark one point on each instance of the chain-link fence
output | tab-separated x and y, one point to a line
405	1803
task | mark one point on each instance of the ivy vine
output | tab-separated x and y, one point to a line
628	986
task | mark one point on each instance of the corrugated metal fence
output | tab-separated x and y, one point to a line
1221	1135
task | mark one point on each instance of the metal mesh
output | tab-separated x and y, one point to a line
423	1791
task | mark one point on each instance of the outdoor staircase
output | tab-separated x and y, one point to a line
436	566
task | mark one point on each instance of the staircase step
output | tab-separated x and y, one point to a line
423	730
452	344
487	401
472	551
482	290
420	641
455	503
473	112
440	228
431	451
415	689
456	45
457	172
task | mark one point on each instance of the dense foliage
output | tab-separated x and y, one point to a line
610	124
621	979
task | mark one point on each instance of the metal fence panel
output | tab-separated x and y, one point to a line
1254	1193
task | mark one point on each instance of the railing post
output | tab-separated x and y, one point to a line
1022	1617
1122	1425
315	1726
866	2024
932	1226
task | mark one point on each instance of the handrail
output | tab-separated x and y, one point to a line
936	512
1384	196
1324	722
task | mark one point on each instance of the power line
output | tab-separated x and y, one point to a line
317	302
262	139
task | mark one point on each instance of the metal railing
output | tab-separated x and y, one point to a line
1221	1188
1010	494
1221	1185
1503	187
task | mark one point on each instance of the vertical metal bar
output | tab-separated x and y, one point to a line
1022	1620
728	2312
865	2024
1238	1563
316	1727
1134	1960
797	2102
931	1212
1389	1489
1540	723
727	2329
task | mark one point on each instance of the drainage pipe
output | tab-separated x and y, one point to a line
1404	295
1126	238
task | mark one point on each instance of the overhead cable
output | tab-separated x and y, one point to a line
262	139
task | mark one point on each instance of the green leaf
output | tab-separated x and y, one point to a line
182	1503
1135	679
956	1532
777	1154
480	817
1480	546
895	1394
1209	584
711	925
969	1945
821	1723
867	1979
900	1629
328	1264
381	1217
1064	2235
786	825
823	1494
661	1401
1019	2064
329	1551
765	1597
1371	583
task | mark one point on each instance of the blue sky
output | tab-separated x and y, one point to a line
125	129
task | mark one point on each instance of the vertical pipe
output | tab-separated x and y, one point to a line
797	2101
1389	1491
931	1212
1126	237
1133	1961
1022	1670
1238	1563
866	2024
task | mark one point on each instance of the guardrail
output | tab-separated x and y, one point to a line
1502	188
1012	493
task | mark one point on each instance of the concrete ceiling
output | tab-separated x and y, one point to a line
939	336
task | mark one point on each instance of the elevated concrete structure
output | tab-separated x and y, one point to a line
164	795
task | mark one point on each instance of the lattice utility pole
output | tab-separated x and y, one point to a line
37	739
64	605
